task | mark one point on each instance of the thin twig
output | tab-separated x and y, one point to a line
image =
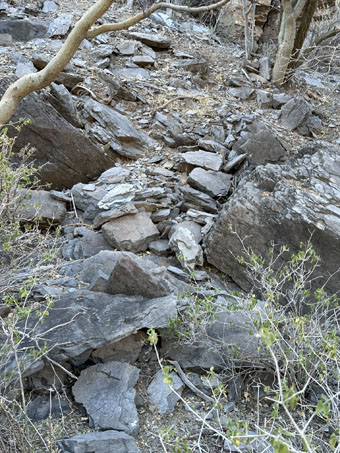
189	384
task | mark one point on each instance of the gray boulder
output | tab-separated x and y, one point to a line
128	277
286	205
160	394
220	343
261	145
204	159
131	232
294	113
195	199
83	320
125	139
66	155
60	26
215	184
24	29
40	204
107	392
99	442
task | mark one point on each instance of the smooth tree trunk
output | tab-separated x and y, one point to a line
291	11
82	29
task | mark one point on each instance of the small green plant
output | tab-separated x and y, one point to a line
295	326
26	256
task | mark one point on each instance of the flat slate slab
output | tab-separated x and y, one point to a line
99	442
204	159
151	39
85	320
213	183
131	232
106	391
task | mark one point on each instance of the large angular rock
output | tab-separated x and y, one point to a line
131	232
204	159
128	277
99	442
85	320
294	113
261	145
195	199
60	26
24	29
215	184
125	139
66	155
40	204
106	390
286	205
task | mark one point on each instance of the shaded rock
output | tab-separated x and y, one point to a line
60	26
195	199
66	155
234	162
187	250
126	350
280	99
131	232
264	99
62	101
24	29
47	378
85	320
42	407
241	92
24	66
99	442
160	394
286	205
224	342
40	204
261	145
143	61
196	66
204	159
126	140
161	215
212	146
151	39
160	247
106	391
89	244
129	277
294	113
213	183
133	73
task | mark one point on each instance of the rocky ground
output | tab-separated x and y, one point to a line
156	139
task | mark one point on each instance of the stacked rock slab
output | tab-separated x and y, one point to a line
286	205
